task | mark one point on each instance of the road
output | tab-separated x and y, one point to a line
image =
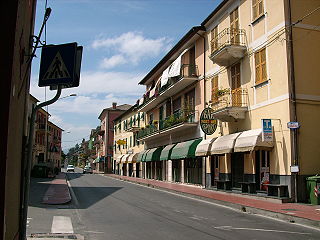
105	208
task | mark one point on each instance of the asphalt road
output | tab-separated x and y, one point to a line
105	208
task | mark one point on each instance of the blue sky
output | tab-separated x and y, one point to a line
122	40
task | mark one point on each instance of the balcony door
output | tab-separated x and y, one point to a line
234	27
236	93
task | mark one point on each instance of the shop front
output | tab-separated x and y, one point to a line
154	165
165	157
141	160
132	160
186	163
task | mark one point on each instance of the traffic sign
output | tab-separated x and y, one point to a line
293	125
60	65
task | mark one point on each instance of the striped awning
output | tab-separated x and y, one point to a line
251	140
185	149
166	152
204	147
125	157
133	158
153	154
224	144
118	159
141	156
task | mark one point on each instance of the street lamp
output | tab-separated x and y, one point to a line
71	95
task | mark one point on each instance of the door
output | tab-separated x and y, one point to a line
234	27
237	169
214	170
262	169
236	91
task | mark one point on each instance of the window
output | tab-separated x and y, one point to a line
151	118
257	8
189	100
130	141
261	67
214	39
214	86
235	76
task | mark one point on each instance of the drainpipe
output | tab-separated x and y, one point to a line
204	99
292	99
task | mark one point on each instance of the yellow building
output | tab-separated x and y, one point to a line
253	64
126	145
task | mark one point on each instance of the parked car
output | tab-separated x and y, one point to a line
70	168
87	169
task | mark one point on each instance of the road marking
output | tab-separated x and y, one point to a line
94	232
61	224
228	228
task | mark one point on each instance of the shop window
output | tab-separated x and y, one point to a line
260	66
257	9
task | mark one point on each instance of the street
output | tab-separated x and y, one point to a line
105	208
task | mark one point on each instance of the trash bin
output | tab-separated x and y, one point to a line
313	186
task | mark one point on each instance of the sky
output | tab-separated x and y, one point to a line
122	41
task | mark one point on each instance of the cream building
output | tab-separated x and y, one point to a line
126	145
252	63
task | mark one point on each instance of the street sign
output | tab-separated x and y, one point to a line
294	169
208	123
293	125
267	133
60	65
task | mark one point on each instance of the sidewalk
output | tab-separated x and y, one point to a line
58	191
293	212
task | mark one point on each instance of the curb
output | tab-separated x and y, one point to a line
239	207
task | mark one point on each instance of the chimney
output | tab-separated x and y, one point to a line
114	105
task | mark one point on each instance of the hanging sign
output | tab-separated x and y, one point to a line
208	123
121	142
267	132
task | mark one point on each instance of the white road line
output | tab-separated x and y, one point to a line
228	228
61	224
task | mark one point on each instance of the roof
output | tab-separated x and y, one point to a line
126	112
123	107
33	98
173	50
221	5
55	125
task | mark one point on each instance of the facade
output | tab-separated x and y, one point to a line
105	150
126	144
251	63
54	145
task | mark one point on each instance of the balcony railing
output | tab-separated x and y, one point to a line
186	71
229	103
178	118
232	38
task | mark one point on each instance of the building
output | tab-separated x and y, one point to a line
15	63
105	151
251	65
126	145
54	145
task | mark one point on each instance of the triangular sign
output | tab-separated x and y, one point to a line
57	69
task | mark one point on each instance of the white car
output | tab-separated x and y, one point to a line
70	168
87	169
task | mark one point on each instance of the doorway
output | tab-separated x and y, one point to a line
214	166
262	160
237	169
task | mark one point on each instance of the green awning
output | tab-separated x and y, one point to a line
96	160
141	156
153	154
185	149
143	159
166	152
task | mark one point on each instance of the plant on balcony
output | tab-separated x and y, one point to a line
221	92
147	126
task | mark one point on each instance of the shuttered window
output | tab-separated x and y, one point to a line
235	76
257	8
261	66
214	39
214	90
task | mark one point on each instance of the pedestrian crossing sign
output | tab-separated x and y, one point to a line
59	65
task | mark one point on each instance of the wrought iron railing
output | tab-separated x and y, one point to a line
147	130
229	36
186	71
228	97
179	117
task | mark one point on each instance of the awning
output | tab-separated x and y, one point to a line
96	160
224	144
118	159
141	156
124	159
185	149
153	154
133	158
166	152
204	147
251	140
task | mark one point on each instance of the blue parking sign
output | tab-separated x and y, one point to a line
58	63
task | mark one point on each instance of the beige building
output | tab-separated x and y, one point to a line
252	62
126	145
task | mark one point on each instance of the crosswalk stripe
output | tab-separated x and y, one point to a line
61	224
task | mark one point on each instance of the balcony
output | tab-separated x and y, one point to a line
230	104
178	121
133	128
188	75
228	47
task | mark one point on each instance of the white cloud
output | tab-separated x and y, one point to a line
133	47
113	61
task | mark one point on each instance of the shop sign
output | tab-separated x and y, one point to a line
208	123
267	132
121	142
293	125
